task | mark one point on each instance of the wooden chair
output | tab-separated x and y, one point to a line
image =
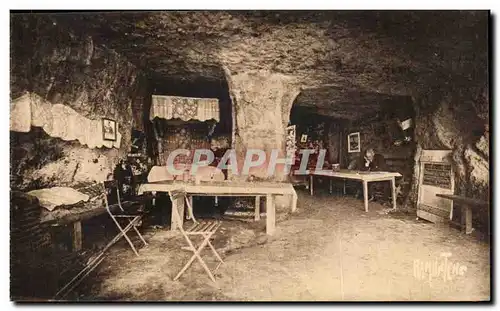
132	219
203	229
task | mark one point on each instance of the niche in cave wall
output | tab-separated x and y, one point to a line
69	69
175	134
455	116
382	132
321	131
164	136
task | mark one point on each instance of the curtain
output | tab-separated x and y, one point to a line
184	108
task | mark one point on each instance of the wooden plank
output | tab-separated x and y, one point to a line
439	212
220	188
70	216
393	186
77	236
257	208
190	199
435	156
357	175
365	194
294	201
247	184
468	219
464	200
270	215
430	216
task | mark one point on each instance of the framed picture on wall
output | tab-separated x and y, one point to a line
353	142
109	129
303	138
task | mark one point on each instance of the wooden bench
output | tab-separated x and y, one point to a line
467	204
74	216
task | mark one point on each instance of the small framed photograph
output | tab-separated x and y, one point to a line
303	138
353	142
109	129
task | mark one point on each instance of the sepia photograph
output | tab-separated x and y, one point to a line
109	129
230	167
353	142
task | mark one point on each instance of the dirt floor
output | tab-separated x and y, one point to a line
329	250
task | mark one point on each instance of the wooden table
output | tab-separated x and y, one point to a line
467	205
364	177
230	188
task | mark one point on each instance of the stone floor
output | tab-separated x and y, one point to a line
329	250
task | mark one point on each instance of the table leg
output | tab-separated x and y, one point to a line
468	219
393	185
294	202
190	208
270	215
344	188
330	185
257	208
179	205
365	194
311	183
77	236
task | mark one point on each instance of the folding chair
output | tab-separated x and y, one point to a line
132	218
204	229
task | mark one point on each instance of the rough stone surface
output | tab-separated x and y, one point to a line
71	69
262	103
343	59
458	123
479	172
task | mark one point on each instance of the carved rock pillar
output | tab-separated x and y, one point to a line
261	110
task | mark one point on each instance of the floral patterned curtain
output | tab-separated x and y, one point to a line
184	108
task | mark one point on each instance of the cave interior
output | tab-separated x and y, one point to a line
328	73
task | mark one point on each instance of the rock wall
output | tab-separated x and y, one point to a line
68	68
333	142
456	118
380	132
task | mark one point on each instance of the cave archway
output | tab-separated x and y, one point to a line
200	134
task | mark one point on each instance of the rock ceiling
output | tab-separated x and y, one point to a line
345	61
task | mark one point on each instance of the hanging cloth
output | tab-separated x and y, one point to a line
184	108
57	121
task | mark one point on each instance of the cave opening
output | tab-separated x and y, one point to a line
82	88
